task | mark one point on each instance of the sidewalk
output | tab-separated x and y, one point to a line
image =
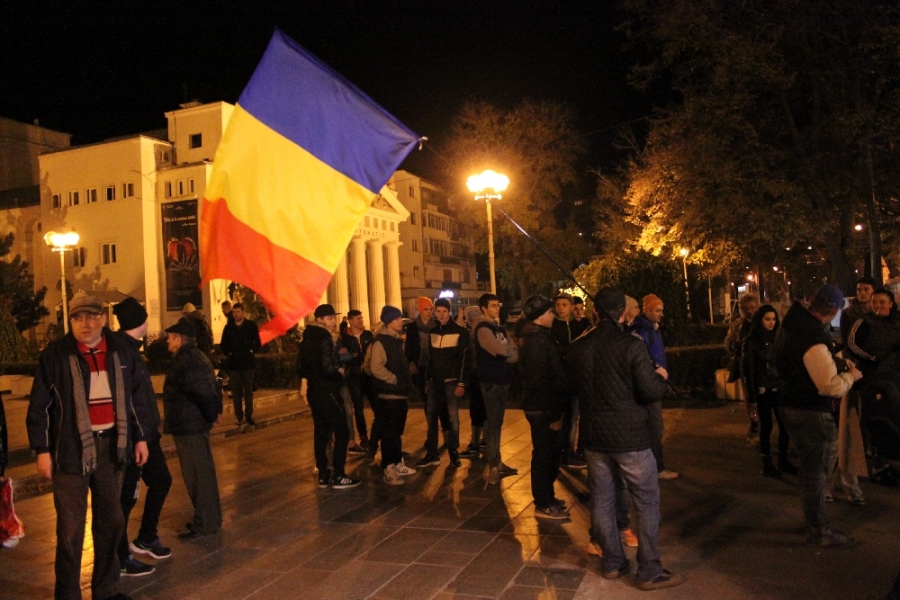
447	535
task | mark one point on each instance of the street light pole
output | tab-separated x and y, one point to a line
488	186
60	242
687	289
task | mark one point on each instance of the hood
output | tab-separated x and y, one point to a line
382	330
479	319
473	313
317	331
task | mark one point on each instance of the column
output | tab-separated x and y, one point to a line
359	289
376	279
394	296
338	290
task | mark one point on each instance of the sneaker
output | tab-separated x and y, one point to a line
250	421
324	479
829	497
667	474
401	469
788	468
342	482
154	549
428	460
507	470
454	459
391	477
856	499
470	451
623	570
666	579
628	538
494	476
594	549
239	422
574	462
558	503
135	568
831	537
550	512
356	449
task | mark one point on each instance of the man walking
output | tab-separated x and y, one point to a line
240	343
155	472
616	381
193	403
355	341
446	376
84	426
814	379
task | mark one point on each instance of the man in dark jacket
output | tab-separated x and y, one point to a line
859	306
616	382
355	340
155	472
545	399
317	363
193	403
82	422
813	381
565	329
240	343
447	376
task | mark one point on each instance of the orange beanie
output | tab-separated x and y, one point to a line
423	302
651	300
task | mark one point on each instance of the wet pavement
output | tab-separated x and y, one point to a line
448	535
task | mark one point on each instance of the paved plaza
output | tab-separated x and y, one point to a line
447	535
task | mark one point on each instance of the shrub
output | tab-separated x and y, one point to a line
694	367
277	371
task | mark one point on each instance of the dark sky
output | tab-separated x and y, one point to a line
101	69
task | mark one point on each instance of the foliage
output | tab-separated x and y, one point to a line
17	288
694	367
13	347
536	146
277	371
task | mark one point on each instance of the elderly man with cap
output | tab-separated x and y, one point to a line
192	399
616	384
317	362
85	426
814	380
155	472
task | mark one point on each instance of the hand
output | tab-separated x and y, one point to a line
557	425
45	465
141	453
460	391
218	421
851	368
413	369
663	372
341	371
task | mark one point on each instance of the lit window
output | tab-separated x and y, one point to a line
74	198
128	190
108	252
195	140
57	203
110	193
168	188
90	195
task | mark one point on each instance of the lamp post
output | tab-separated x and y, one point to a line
687	290
787	291
60	242
488	186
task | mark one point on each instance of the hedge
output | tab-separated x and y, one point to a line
694	367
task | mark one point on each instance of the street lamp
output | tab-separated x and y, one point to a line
787	291
60	242
488	186
687	290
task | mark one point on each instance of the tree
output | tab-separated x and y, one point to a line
535	144
786	131
17	288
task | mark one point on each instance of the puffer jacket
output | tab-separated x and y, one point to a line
317	360
191	397
544	383
390	370
615	381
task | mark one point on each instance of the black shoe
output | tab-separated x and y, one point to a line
787	467
250	421
119	596
454	459
666	580
325	479
153	549
470	452
342	482
428	460
558	503
769	469
624	570
190	534
356	449
135	568
830	537
239	422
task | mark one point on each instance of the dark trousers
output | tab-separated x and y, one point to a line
393	419
477	410
241	383
813	434
155	475
328	419
356	384
419	381
199	473
442	399
70	497
656	426
545	457
765	407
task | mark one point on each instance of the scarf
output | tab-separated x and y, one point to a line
88	449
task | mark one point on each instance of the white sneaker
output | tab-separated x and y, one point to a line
402	469
391	477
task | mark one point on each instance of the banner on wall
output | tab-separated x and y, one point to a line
179	236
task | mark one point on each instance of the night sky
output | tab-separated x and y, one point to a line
102	69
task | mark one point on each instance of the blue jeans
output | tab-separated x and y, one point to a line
639	471
495	408
441	396
813	435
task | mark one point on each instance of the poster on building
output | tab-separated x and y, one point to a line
179	236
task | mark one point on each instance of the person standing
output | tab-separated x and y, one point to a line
192	400
859	306
392	383
646	326
84	426
355	341
564	330
734	340
240	343
494	356
155	472
201	324
814	378
447	374
317	363
580	323
477	411
616	382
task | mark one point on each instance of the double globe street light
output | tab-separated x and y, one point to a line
488	186
61	242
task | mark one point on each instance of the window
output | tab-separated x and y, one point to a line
412	218
90	195
128	190
467	278
195	140
74	198
415	248
57	203
181	190
412	194
448	276
392	226
384	226
78	256
110	193
191	191
108	253
416	274
168	188
367	224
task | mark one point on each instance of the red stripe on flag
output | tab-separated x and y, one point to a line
290	285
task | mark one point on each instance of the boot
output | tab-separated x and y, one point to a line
769	469
786	466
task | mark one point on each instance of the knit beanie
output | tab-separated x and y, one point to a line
130	313
423	302
536	306
611	301
651	301
630	303
389	314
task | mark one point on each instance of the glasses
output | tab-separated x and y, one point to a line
85	318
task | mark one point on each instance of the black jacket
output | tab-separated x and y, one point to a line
51	421
317	360
448	353
759	368
142	373
240	343
416	348
356	348
192	397
544	384
801	330
396	363
615	382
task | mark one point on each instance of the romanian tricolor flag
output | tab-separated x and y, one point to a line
301	160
